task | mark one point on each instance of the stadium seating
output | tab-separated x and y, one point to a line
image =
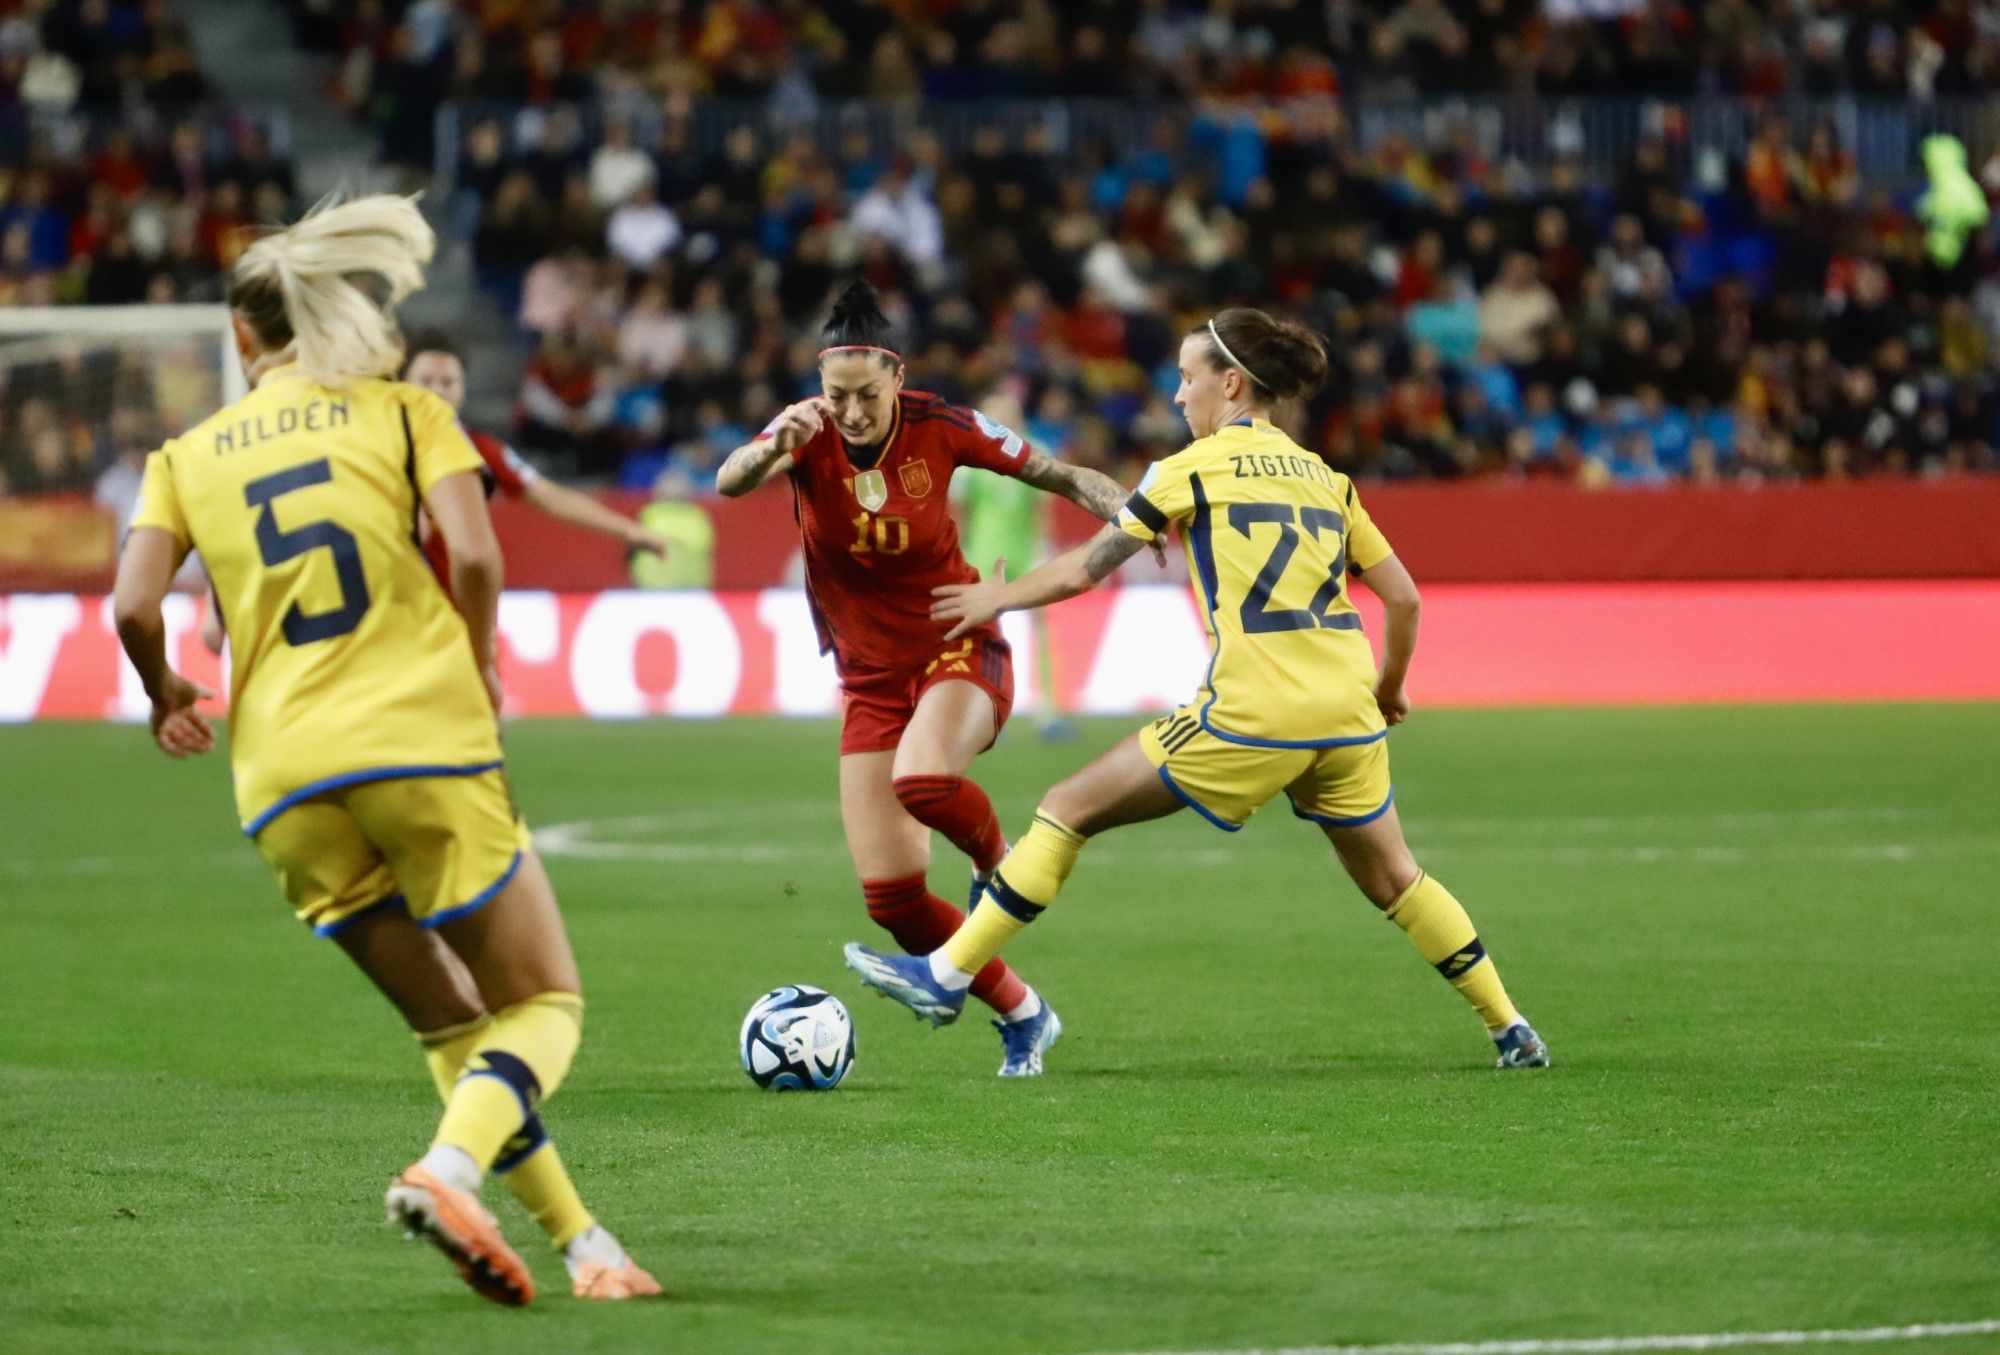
119	184
1699	290
1520	272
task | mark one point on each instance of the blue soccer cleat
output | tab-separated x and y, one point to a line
1520	1047
1060	729
907	979
1024	1042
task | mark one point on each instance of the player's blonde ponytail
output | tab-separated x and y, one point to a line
326	286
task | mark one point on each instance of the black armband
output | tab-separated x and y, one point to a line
1141	507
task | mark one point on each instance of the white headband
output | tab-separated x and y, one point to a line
1234	361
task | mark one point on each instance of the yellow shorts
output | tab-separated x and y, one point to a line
1345	785
438	846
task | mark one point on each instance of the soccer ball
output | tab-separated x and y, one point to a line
797	1039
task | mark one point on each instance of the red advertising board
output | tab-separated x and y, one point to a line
1481	531
623	655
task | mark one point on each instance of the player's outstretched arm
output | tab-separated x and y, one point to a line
756	462
457	505
580	510
1391	582
146	570
967	605
1093	491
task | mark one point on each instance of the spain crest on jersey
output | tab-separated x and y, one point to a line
916	478
871	490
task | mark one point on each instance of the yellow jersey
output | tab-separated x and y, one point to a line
349	663
1271	534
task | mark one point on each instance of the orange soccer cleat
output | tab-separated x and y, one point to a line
596	1280
459	1226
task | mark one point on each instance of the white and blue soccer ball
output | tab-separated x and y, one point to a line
797	1039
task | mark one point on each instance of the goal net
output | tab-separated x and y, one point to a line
85	393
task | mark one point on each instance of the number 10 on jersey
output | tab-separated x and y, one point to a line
880	536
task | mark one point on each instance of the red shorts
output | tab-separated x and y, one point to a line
876	707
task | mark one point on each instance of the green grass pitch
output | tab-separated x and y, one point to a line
1762	944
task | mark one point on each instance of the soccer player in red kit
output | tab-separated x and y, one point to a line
870	468
432	361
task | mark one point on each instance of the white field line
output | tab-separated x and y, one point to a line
1611	1345
585	841
687	836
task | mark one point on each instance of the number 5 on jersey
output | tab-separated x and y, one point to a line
277	546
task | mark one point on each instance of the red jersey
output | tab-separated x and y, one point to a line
880	536
505	471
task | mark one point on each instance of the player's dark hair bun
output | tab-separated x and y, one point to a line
857	319
1282	358
428	341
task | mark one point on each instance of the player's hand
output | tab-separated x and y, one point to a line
967	606
489	673
178	727
1159	545
798	424
1394	705
638	538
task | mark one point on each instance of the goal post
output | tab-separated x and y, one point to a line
85	393
115	372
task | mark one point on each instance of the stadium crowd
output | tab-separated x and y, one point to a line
1688	317
119	184
1699	312
401	58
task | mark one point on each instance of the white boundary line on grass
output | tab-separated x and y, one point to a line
1612	1345
580	840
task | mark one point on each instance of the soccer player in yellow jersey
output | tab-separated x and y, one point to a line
364	740
1291	702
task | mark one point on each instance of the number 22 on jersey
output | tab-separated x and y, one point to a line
1257	614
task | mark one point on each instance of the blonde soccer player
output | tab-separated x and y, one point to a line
364	741
1292	701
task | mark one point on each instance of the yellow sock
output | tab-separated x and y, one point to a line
518	1062
1023	885
446	1050
1438	927
542	1184
537	1177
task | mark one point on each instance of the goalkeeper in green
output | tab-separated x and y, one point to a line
1005	521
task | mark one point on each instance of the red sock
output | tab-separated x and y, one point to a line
959	809
921	922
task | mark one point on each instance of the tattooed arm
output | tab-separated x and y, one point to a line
1094	492
974	604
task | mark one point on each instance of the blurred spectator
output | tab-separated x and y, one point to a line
1515	311
563	409
652	339
641	231
1697	308
1953	207
688	531
618	168
898	211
